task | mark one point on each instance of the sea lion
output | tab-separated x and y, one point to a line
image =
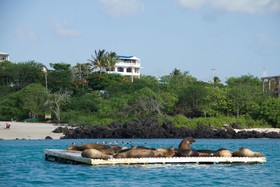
165	152
94	154
136	153
184	149
187	153
222	152
245	152
111	150
185	143
206	152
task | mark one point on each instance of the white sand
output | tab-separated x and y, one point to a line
32	131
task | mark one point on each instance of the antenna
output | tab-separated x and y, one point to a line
264	72
158	72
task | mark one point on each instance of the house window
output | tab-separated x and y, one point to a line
129	70
120	69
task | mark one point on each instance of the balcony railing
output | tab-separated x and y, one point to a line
125	73
127	64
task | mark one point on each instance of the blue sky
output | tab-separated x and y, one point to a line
234	37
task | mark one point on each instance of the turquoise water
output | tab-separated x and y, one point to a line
22	164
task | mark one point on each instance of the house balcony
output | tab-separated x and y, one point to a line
130	74
128	64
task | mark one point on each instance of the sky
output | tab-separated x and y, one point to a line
224	38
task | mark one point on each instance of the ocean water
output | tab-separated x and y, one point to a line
22	164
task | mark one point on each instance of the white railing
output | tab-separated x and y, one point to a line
127	64
125	73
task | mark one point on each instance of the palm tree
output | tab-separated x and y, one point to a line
111	60
176	72
99	61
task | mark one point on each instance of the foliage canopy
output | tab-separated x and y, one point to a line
79	95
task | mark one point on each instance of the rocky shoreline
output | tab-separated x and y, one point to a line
151	129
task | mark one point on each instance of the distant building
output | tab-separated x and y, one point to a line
4	57
128	66
271	84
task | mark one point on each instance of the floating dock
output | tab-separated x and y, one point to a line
74	157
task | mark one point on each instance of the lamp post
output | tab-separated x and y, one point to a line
213	74
45	70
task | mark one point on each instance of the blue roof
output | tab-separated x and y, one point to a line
128	57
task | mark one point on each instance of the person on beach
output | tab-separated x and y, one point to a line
8	125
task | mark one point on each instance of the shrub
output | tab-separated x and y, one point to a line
216	122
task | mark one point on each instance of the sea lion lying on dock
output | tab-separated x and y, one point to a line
110	150
94	154
145	153
245	152
165	152
222	152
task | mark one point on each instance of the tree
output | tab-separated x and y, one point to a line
103	81
217	82
270	111
33	98
55	101
144	82
216	102
192	100
11	107
18	76
176	72
111	60
243	80
60	78
81	73
145	102
244	94
60	66
99	60
177	81
169	101
87	104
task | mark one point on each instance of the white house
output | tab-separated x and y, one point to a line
127	66
4	57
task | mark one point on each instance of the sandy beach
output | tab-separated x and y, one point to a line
29	131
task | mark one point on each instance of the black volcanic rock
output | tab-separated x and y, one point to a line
148	128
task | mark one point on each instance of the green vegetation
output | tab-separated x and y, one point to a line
79	95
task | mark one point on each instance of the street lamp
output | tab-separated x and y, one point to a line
45	70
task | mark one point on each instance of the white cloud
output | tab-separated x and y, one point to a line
245	6
117	9
64	29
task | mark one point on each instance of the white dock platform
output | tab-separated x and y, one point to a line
74	157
